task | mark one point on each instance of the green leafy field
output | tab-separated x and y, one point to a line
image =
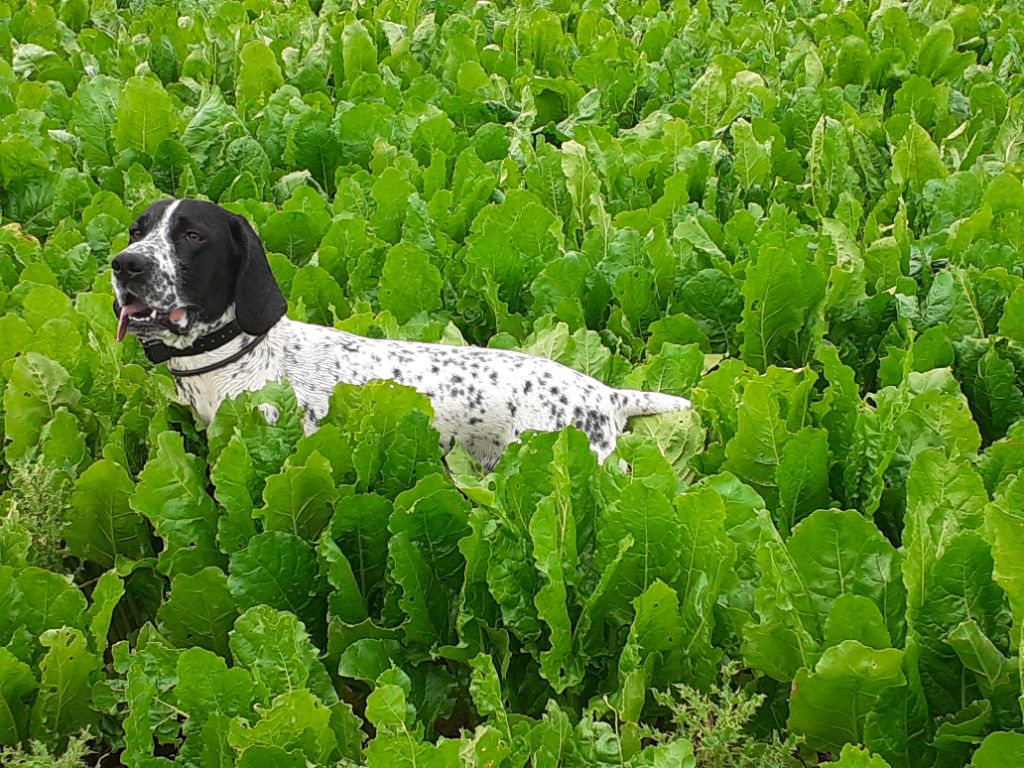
808	217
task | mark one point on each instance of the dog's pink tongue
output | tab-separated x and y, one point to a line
122	321
177	315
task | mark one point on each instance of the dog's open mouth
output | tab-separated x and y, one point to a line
141	317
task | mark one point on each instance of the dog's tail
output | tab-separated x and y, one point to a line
632	402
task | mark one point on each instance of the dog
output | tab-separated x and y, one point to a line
194	285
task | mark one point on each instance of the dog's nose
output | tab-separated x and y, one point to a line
127	264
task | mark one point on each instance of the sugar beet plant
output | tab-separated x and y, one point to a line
808	217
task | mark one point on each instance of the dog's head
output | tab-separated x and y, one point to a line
192	267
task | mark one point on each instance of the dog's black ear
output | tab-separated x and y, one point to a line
259	302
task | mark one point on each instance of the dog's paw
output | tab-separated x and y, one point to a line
270	412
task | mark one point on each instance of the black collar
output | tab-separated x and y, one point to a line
158	352
220	363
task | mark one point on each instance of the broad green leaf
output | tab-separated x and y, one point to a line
267	444
944	499
979	654
883	264
37	388
674	369
957	588
15	543
409	283
292	234
829	704
395	744
999	749
645	516
358	51
17	686
827	163
394	442
141	688
708	100
207	687
105	597
199	611
647	465
991	384
841	552
236	486
708	556
916	159
713	298
360	529
274	646
485	688
210	130
676	754
786	637
320	295
172	495
300	500
367	659
1003	458
756	451
655	649
553	533
46	600
259	74
64	703
145	116
584	187
295	720
751	158
278	570
802	476
553	736
101	525
435	515
386	707
95	103
781	296
855	617
1004	525
345	601
427	615
937	420
896	727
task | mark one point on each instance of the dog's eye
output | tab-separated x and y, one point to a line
134	234
193	237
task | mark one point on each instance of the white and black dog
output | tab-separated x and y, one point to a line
195	287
